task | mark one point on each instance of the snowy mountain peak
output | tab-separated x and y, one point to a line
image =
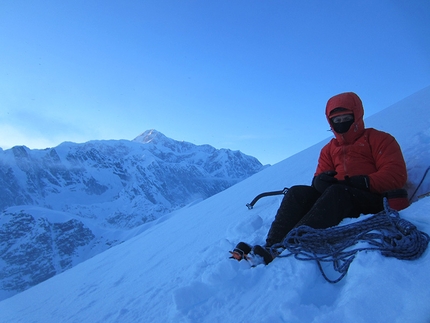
151	135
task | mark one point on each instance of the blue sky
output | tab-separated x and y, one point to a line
248	75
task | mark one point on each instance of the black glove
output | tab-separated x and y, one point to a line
359	181
324	180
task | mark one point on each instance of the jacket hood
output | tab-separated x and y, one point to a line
352	102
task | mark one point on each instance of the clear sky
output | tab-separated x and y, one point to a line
248	75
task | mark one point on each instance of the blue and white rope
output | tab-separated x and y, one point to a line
385	232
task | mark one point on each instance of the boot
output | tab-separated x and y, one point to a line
265	253
241	251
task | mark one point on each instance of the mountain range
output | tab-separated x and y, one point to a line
63	205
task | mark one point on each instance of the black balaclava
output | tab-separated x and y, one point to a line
342	127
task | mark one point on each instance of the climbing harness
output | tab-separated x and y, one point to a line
385	232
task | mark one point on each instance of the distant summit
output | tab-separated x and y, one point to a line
149	136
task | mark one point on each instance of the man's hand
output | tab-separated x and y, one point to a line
324	180
359	181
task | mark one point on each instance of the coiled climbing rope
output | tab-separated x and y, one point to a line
385	232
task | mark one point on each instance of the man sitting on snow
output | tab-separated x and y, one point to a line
354	170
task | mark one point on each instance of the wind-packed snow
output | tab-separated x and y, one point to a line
177	269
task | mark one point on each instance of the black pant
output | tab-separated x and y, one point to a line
304	205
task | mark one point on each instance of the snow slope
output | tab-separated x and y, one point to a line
178	270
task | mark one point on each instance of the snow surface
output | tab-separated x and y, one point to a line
178	270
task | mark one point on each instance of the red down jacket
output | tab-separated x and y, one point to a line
362	151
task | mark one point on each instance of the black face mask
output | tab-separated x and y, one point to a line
342	127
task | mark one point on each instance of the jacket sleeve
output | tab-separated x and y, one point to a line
325	161
391	167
